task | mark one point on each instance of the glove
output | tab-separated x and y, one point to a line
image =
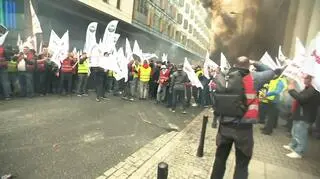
278	71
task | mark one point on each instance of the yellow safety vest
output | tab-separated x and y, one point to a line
273	85
84	67
145	74
110	73
136	68
263	93
12	66
199	73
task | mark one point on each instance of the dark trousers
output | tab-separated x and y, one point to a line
4	82
273	115
52	83
153	86
99	77
42	85
188	94
195	94
178	94
82	83
242	136
68	78
169	97
110	83
26	83
263	110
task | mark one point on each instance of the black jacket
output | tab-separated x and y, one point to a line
178	80
308	102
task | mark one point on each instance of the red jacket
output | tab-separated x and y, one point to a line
66	66
252	114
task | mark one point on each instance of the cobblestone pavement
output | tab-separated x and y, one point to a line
178	149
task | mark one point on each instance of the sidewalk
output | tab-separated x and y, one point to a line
178	149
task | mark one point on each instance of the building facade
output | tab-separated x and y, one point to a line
181	22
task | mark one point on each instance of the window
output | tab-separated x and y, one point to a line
181	3
142	7
185	24
8	14
187	9
179	18
178	36
106	1
190	28
118	4
184	40
192	14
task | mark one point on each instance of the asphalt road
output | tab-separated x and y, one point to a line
72	137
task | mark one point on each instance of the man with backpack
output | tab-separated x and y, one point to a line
237	103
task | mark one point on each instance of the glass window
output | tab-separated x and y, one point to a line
118	4
106	1
179	18
181	3
187	9
178	36
192	14
190	28
185	24
143	7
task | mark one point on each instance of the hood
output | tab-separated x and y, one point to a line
145	66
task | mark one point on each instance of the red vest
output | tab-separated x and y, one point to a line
3	62
252	114
66	66
30	67
164	77
41	66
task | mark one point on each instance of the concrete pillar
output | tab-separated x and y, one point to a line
314	26
302	22
290	24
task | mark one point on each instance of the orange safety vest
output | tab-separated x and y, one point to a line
252	114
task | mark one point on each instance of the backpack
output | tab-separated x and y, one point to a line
230	99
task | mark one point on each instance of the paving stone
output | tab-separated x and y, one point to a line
110	171
101	177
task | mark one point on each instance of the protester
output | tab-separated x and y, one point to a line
83	70
42	70
4	74
305	108
66	73
144	77
238	130
272	99
164	76
177	88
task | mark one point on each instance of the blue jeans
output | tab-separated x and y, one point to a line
26	83
4	82
299	141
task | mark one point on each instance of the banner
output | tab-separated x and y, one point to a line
110	29
3	38
54	42
164	58
136	50
128	50
224	64
91	40
191	74
267	60
36	27
208	65
123	65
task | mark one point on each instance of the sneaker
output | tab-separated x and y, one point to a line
79	95
173	111
125	98
105	98
98	100
288	147
7	99
184	112
294	155
85	94
131	99
194	105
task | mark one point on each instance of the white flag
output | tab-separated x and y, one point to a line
208	65
30	42
54	42
128	49
40	47
148	56
191	74
224	64
123	65
20	43
267	60
36	28
164	58
299	48
281	57
136	50
3	38
110	29
91	39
